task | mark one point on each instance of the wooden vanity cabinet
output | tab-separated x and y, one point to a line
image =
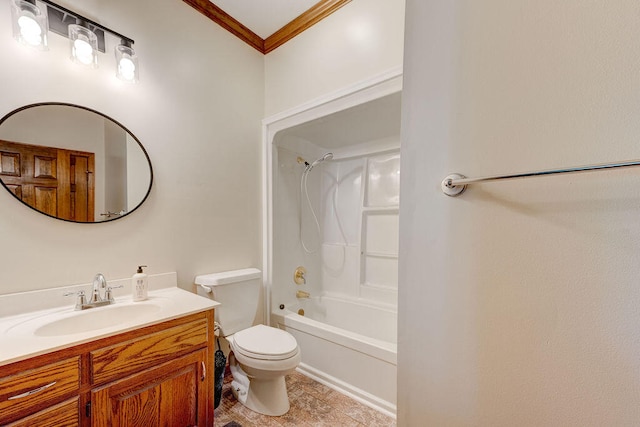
160	375
164	396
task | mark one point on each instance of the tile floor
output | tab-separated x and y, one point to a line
312	405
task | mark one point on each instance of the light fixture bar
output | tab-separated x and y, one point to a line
87	37
59	22
64	13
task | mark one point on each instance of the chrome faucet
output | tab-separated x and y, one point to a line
99	283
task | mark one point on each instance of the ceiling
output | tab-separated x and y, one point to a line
373	120
265	17
266	24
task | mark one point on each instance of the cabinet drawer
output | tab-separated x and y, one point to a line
37	388
65	414
121	359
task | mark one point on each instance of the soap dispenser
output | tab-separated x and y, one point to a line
139	284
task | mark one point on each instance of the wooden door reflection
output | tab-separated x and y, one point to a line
55	181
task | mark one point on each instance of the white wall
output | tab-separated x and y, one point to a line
361	40
518	301
197	111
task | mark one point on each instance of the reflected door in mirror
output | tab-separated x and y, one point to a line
54	181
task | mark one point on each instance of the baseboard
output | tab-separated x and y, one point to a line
355	393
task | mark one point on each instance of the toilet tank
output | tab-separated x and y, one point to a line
238	292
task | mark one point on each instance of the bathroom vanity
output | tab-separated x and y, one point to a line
159	372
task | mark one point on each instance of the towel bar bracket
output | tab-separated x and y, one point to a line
449	188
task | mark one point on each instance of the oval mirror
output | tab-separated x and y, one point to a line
73	163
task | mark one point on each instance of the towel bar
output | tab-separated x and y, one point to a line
454	184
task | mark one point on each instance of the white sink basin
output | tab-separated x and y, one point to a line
39	331
71	322
96	318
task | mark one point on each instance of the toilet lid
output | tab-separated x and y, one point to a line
264	342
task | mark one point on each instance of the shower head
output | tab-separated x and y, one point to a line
327	156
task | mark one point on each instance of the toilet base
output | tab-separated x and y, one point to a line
265	396
268	397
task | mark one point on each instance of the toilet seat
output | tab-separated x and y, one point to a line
265	343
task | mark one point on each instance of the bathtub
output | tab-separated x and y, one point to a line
346	345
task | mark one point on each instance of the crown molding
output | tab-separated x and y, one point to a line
317	13
227	22
303	22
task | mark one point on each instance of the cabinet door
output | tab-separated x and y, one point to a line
172	394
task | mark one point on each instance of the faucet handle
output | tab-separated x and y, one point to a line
109	295
298	276
81	301
79	293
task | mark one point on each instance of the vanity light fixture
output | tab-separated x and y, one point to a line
126	62
84	45
32	19
30	24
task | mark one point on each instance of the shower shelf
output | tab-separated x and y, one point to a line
382	209
382	255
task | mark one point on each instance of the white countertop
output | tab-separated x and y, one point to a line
19	340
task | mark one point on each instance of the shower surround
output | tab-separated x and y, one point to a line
339	222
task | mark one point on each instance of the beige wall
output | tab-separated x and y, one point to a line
361	40
518	301
197	111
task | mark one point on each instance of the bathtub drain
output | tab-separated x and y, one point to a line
301	312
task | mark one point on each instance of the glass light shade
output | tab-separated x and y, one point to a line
84	45
127	64
30	25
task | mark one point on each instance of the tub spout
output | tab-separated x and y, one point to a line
302	294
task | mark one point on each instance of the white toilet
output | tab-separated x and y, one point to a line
262	355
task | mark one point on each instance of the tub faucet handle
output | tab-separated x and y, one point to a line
302	294
298	276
